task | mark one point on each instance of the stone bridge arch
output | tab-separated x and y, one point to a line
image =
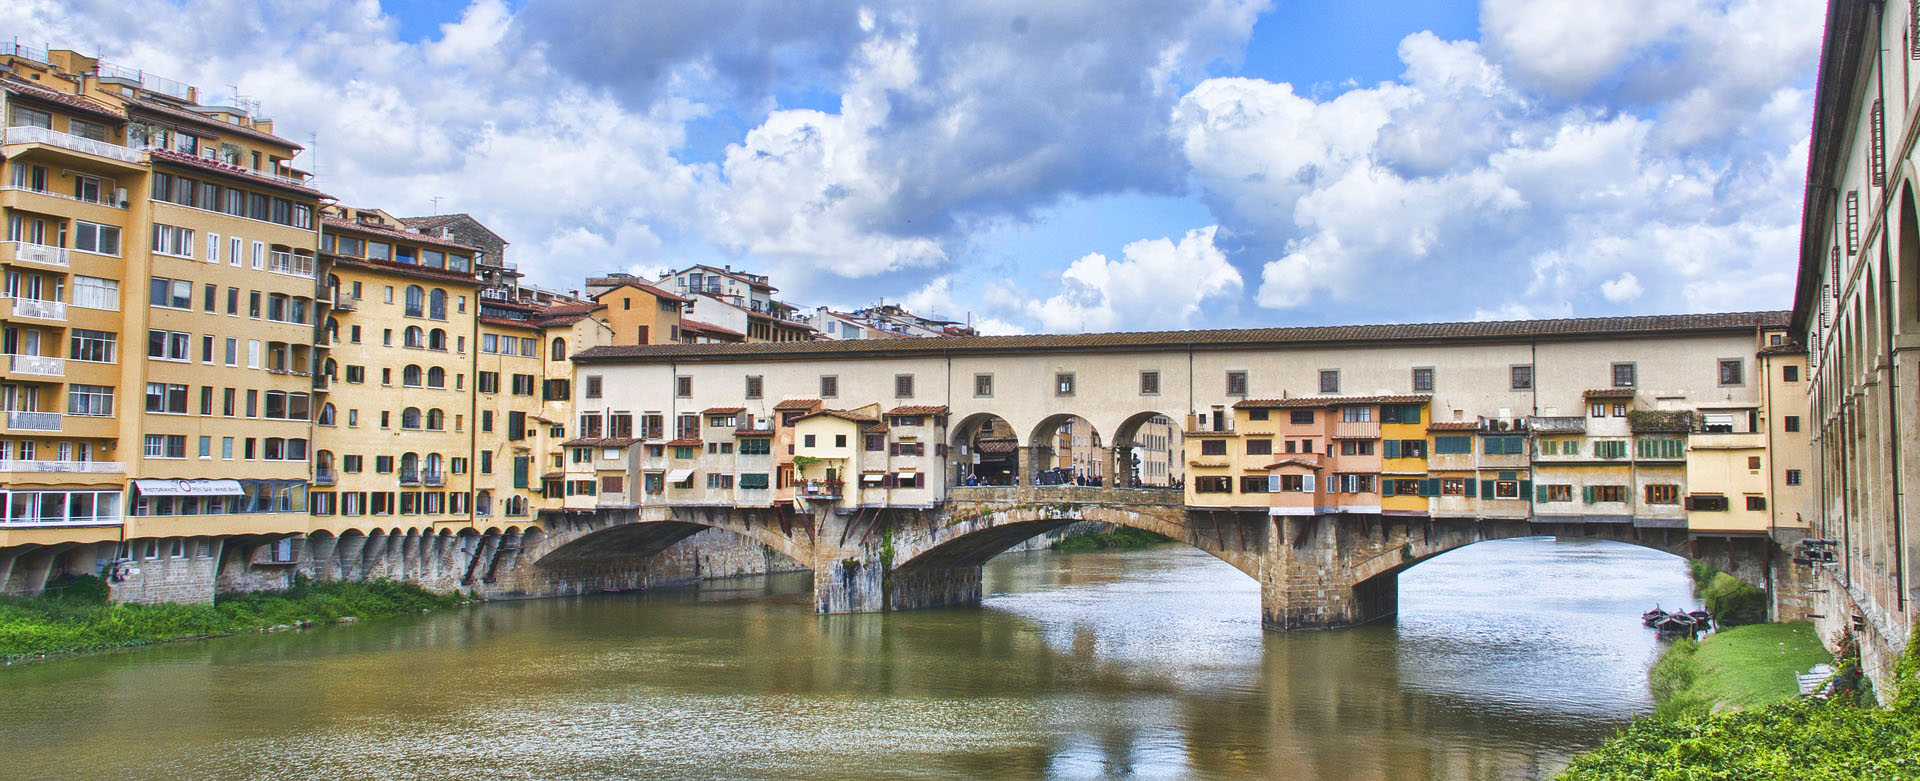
611	550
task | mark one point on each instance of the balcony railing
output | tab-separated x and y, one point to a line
40	310
28	252
33	421
819	489
64	196
1356	429
41	365
346	302
77	467
324	476
409	477
434	478
291	263
28	134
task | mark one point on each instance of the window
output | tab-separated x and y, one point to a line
1356	447
903	386
1149	383
1753	462
1253	484
166	446
96	293
1624	375
1301	416
168	345
1453	445
416	303
755	386
1213	485
1732	371
90	400
1791	423
1793	477
829	386
1756	503
1236	383
1213	447
1063	384
1257	414
1556	493
1356	414
1521	377
98	239
94	346
1792	373
1260	447
169	240
592	389
1453	486
1329	380
171	293
1606	493
1663	494
683	386
983	386
1423	379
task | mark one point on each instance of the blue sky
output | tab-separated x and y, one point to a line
1073	165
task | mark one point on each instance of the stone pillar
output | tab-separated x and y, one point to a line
1308	578
849	584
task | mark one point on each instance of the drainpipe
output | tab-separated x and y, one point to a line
1893	419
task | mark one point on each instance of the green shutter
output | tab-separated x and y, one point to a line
1391	448
1386	486
1540	494
1430	487
1516	446
520	471
1586	494
1572	447
1526	487
1486	488
1508	475
1470	489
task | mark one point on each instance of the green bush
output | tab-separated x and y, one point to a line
1120	537
70	620
1733	602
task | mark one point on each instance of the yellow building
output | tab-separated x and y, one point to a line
1404	483
640	313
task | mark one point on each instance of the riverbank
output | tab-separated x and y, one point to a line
1742	667
1121	538
1798	738
79	619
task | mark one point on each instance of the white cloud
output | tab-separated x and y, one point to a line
1157	283
1622	289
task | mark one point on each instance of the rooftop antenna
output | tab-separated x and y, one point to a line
436	205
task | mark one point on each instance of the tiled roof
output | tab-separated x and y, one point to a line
841	414
1310	463
599	442
1557	425
723	410
1330	401
252	177
797	404
1509	330
996	445
919	409
695	325
397	235
1789	348
1609	393
441	220
553	475
78	103
683	442
639	285
509	322
1454	425
876	427
407	269
162	109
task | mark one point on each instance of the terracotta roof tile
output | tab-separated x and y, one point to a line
599	442
251	176
1454	425
841	414
797	404
407	269
78	103
1330	401
723	410
1311	463
1510	330
162	109
695	325
398	235
1609	393
919	409
683	442
639	285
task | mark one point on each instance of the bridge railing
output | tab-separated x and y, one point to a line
1065	493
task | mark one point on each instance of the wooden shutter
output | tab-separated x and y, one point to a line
1391	448
1386	487
1540	494
1526	487
1586	494
1470	489
1486	489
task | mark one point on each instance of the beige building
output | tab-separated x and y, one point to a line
1857	311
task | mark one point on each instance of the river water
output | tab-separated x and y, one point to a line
1506	657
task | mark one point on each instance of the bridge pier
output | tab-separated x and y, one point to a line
1309	578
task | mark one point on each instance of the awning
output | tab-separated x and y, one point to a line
679	475
873	477
188	487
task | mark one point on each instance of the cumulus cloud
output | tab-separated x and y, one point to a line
1622	289
1157	283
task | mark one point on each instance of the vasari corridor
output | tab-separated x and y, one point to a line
1277	389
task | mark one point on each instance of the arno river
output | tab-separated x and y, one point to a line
1506	657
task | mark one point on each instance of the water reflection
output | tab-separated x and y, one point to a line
1507	655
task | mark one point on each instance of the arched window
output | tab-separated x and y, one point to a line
437	339
410	376
437	304
559	349
415	337
410	418
331	369
516	506
436	377
326	415
410	467
483	503
436	420
416	301
433	464
333	329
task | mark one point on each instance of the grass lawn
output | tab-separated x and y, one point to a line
1743	667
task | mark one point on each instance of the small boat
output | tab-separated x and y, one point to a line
1676	623
1653	616
1701	618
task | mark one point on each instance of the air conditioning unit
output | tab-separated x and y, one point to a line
120	196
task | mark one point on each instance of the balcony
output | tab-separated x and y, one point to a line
346	302
67	467
435	479
37	365
325	476
26	134
39	310
291	264
819	489
409	477
28	252
322	382
33	421
1356	429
